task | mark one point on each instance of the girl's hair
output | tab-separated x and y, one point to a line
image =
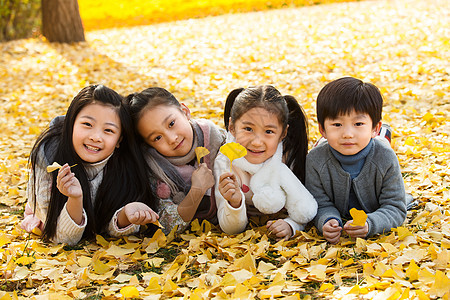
125	179
346	94
138	104
288	112
148	99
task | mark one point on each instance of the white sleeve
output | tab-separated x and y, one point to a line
67	231
231	220
294	226
115	231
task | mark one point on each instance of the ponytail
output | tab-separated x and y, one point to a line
229	104
296	141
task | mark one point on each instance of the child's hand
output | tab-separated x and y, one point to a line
332	231
136	213
202	178
229	188
68	184
280	229
356	231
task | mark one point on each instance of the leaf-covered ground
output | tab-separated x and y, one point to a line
400	46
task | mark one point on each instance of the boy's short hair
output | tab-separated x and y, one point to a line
346	94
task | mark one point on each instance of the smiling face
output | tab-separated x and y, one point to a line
167	129
350	133
259	131
96	132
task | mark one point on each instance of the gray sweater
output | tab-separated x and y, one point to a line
379	187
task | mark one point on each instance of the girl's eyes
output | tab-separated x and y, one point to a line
109	130
268	131
247	128
359	124
157	138
336	124
87	124
171	123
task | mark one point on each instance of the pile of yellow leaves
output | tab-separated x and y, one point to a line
400	46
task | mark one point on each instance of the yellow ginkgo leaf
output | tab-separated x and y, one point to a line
158	224
359	217
233	151
129	292
55	166
200	152
25	260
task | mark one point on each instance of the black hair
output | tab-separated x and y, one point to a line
148	99
125	179
347	94
288	111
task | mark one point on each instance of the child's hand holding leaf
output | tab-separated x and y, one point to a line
357	227
233	151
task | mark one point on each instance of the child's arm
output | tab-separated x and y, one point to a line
391	201
40	183
137	213
202	179
127	220
180	215
69	186
229	189
326	209
231	219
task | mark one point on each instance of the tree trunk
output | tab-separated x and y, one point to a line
61	21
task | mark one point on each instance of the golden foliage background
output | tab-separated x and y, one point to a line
104	14
400	46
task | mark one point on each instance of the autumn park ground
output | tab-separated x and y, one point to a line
401	46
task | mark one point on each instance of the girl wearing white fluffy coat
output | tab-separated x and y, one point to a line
260	183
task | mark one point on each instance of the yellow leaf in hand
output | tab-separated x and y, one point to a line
158	224
233	151
55	166
359	217
200	152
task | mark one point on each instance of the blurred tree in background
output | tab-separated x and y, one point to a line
19	19
61	21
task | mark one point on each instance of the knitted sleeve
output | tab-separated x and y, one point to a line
115	231
67	231
169	216
391	201
314	182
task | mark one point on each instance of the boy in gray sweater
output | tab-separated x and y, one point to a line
353	167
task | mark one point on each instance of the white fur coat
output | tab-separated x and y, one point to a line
274	186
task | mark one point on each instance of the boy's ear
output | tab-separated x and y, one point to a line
322	131
376	129
186	110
